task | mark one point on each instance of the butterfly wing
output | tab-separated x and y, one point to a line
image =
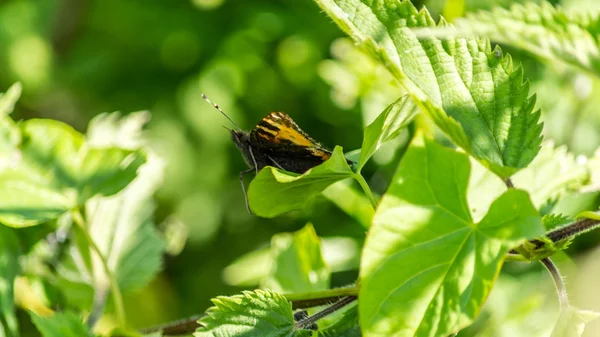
290	148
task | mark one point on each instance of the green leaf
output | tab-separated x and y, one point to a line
274	191
545	30
56	170
298	263
122	227
472	92
551	175
572	321
552	221
65	324
427	266
254	313
351	201
385	127
9	131
9	269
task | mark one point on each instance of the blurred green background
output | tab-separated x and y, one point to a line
79	58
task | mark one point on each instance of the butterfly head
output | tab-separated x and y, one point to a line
240	138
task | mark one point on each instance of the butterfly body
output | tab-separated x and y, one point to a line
279	142
276	141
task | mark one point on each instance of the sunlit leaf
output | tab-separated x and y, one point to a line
55	170
273	192
9	268
427	266
65	324
471	91
252	314
385	127
298	264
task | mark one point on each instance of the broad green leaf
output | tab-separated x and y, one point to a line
470	90
56	170
66	324
249	270
386	126
122	227
273	192
298	263
545	30
344	326
551	175
253	314
427	266
9	268
572	321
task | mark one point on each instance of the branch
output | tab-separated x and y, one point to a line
561	289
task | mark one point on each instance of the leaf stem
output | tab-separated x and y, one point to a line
114	288
309	321
363	183
574	229
317	298
561	289
184	326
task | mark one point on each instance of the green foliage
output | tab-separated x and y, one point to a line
344	326
9	269
424	250
274	192
572	321
547	31
386	127
66	324
298	263
455	81
258	313
56	170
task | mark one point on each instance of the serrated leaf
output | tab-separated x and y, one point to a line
458	82
545	30
55	171
9	268
427	267
572	321
551	175
254	313
65	324
273	191
385	127
298	264
552	221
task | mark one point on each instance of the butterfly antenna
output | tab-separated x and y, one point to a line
221	111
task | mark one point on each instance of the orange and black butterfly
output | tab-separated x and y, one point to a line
276	141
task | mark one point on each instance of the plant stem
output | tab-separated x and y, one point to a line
363	183
574	229
309	321
184	326
317	298
114	288
509	183
561	290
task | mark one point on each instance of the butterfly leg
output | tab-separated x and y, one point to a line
276	163
244	187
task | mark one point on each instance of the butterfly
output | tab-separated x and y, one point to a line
276	141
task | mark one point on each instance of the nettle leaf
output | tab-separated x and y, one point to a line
298	263
56	170
65	324
427	266
386	126
545	30
572	321
254	313
458	82
273	191
551	175
122	227
9	269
